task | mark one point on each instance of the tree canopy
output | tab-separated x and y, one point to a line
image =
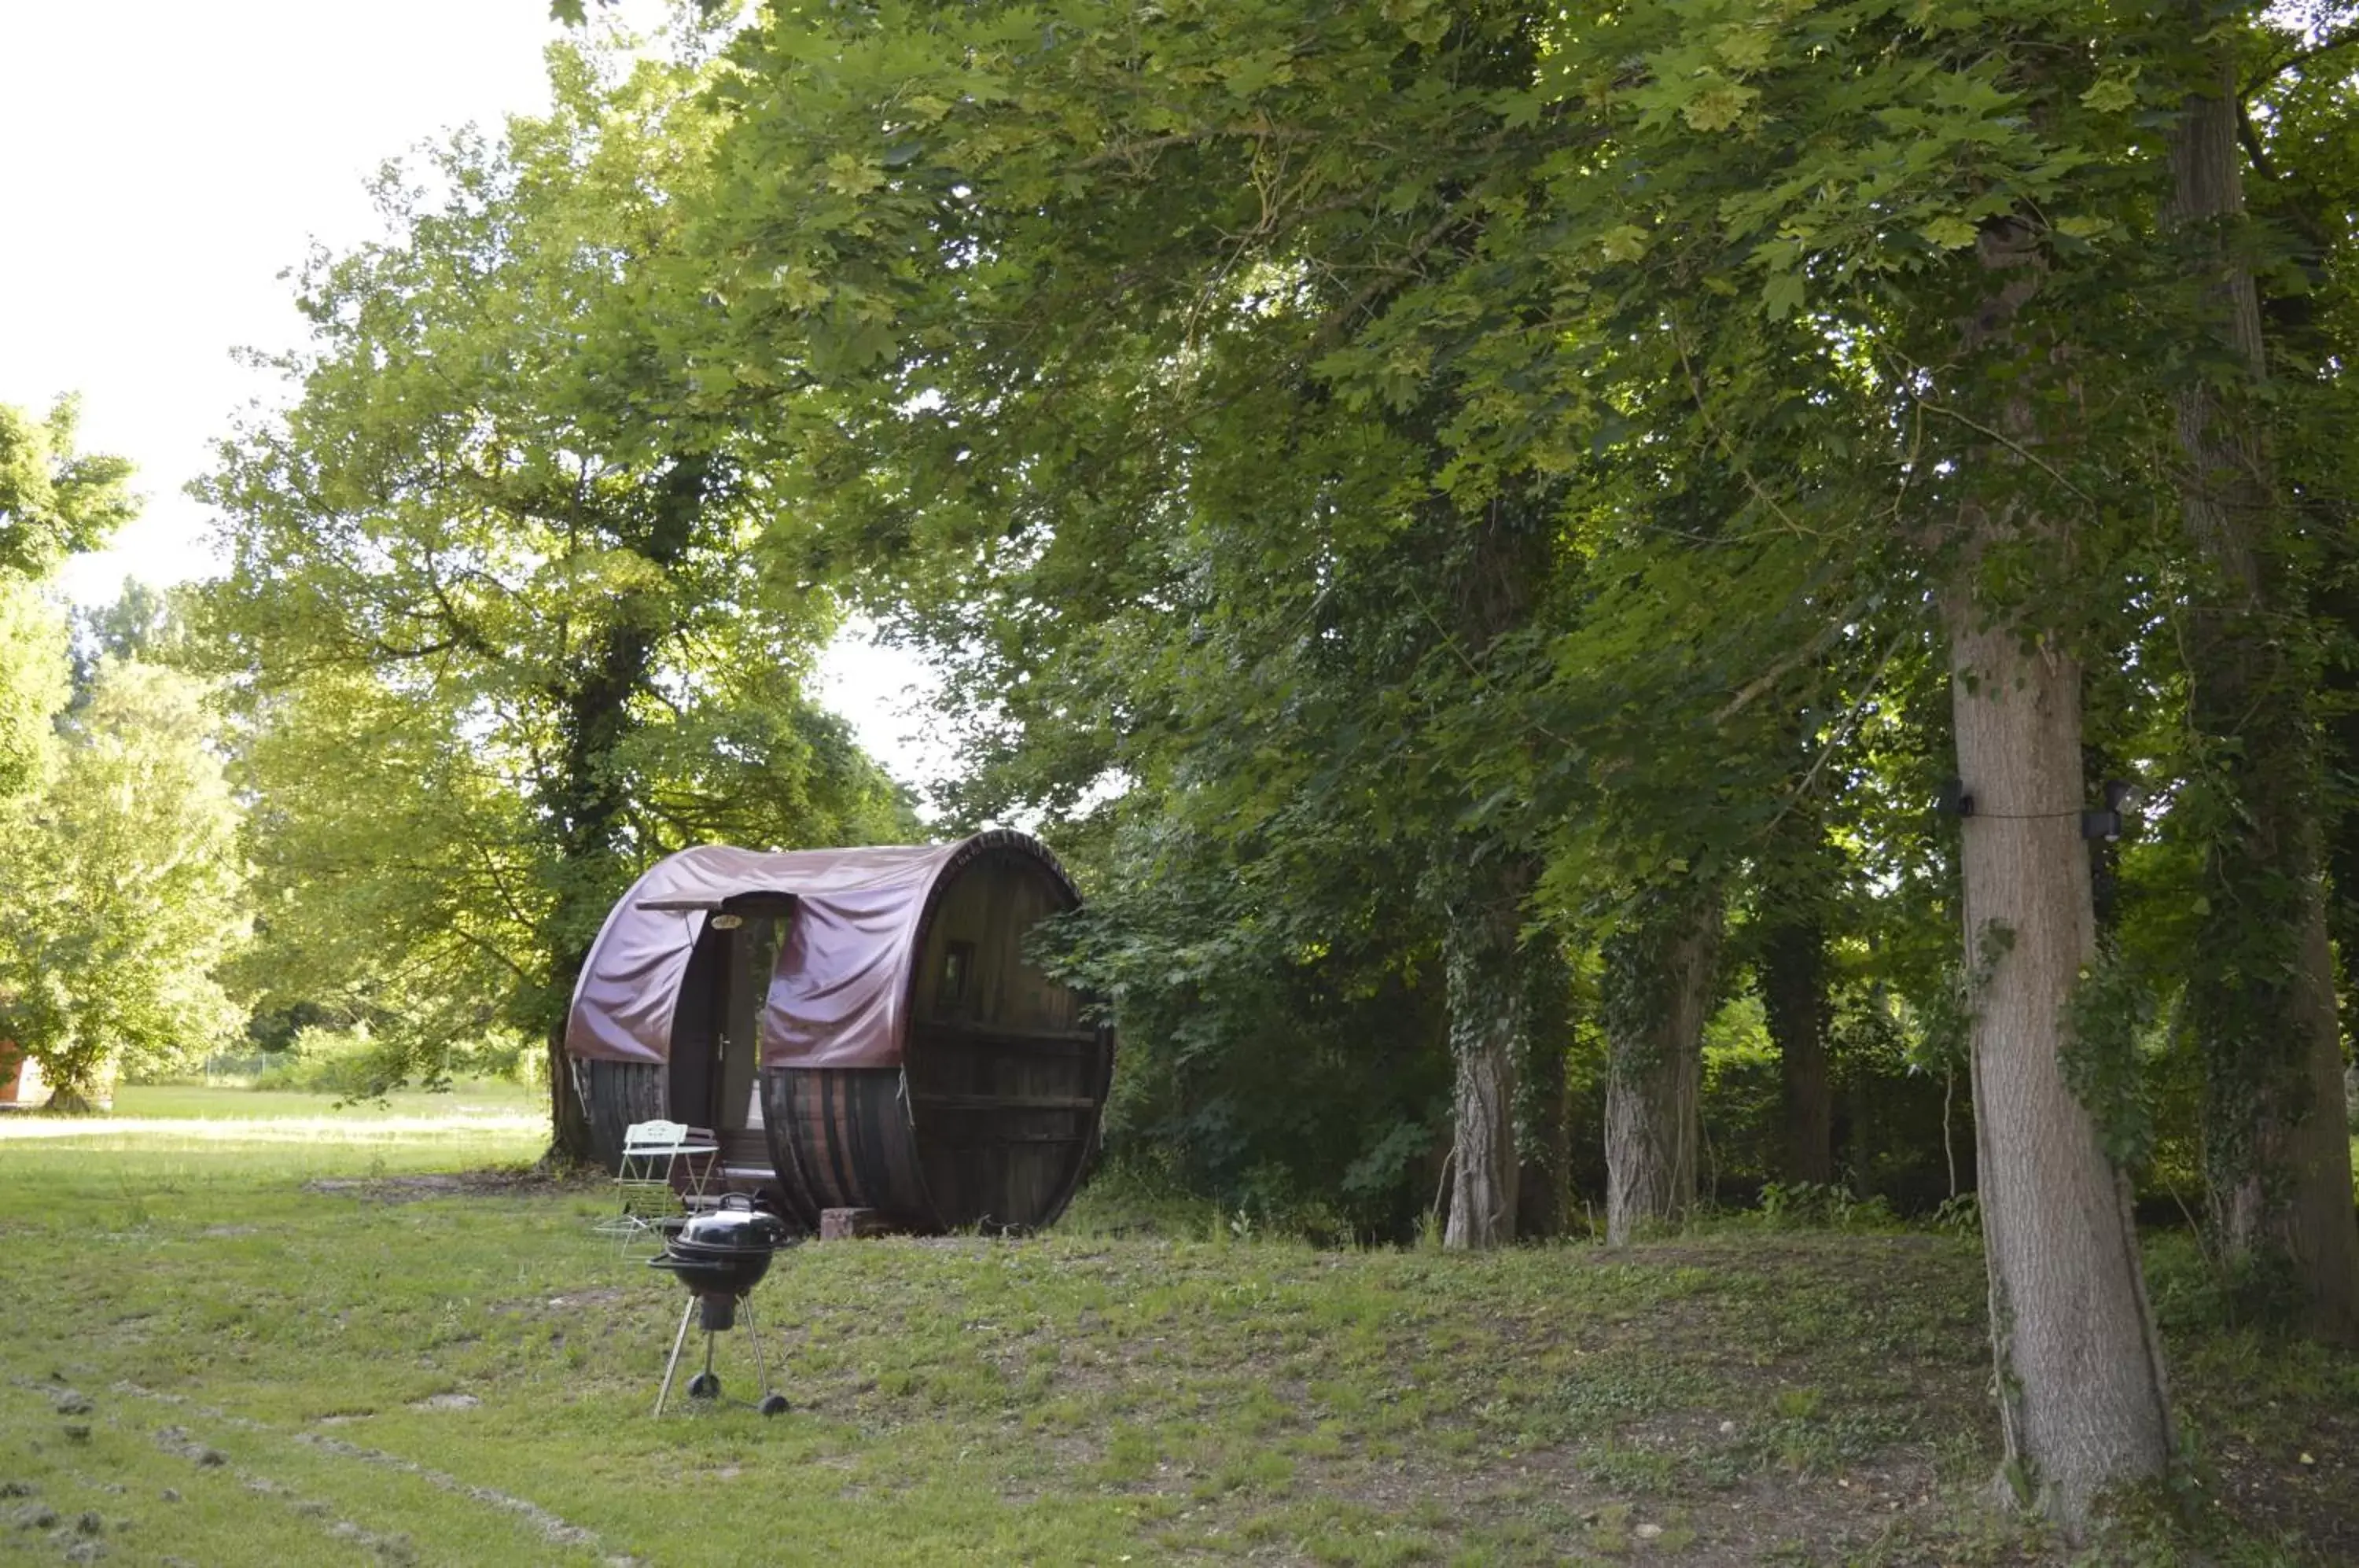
54	500
1545	467
123	885
500	631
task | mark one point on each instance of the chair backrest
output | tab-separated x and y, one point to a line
654	1137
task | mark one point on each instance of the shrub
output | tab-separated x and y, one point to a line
1814	1205
350	1064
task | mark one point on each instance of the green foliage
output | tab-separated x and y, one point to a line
1345	461
1739	1102
140	623
1813	1205
1948	1008
119	875
499	635
125	886
2109	1033
1897	1127
393	869
1279	1052
1961	1215
53	500
33	673
348	1063
1410	440
356	1064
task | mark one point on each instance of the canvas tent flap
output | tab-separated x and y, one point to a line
855	909
623	1003
842	978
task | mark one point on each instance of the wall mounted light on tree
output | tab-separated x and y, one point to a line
2107	823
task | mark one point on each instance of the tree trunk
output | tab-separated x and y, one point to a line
1543	1128
589	804
569	1119
2341	831
588	800
2277	1149
1793	975
2080	1392
1488	1003
1485	883
74	1076
1659	975
2082	1400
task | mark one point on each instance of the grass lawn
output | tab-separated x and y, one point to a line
242	1347
185	1102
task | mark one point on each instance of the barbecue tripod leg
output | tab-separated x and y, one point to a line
772	1404
673	1365
754	1337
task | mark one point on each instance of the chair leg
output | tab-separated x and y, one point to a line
673	1365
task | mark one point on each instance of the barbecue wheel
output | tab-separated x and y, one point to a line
704	1386
773	1404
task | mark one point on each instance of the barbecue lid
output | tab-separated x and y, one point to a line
737	1226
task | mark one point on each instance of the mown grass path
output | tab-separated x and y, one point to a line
315	1351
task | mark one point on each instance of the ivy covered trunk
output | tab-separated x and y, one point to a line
2341	829
1484	880
587	794
1793	978
588	808
1543	1108
1482	966
590	871
2276	1146
2261	1006
1659	994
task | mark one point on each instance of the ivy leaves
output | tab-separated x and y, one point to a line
2108	1035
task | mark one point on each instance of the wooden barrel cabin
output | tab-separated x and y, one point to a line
859	1027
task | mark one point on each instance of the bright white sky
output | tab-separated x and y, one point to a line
166	160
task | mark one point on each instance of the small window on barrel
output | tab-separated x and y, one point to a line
958	961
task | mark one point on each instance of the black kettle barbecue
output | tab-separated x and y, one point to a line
720	1255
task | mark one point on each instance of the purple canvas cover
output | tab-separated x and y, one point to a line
839	994
840	989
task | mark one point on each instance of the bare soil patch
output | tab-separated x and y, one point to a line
447	1184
